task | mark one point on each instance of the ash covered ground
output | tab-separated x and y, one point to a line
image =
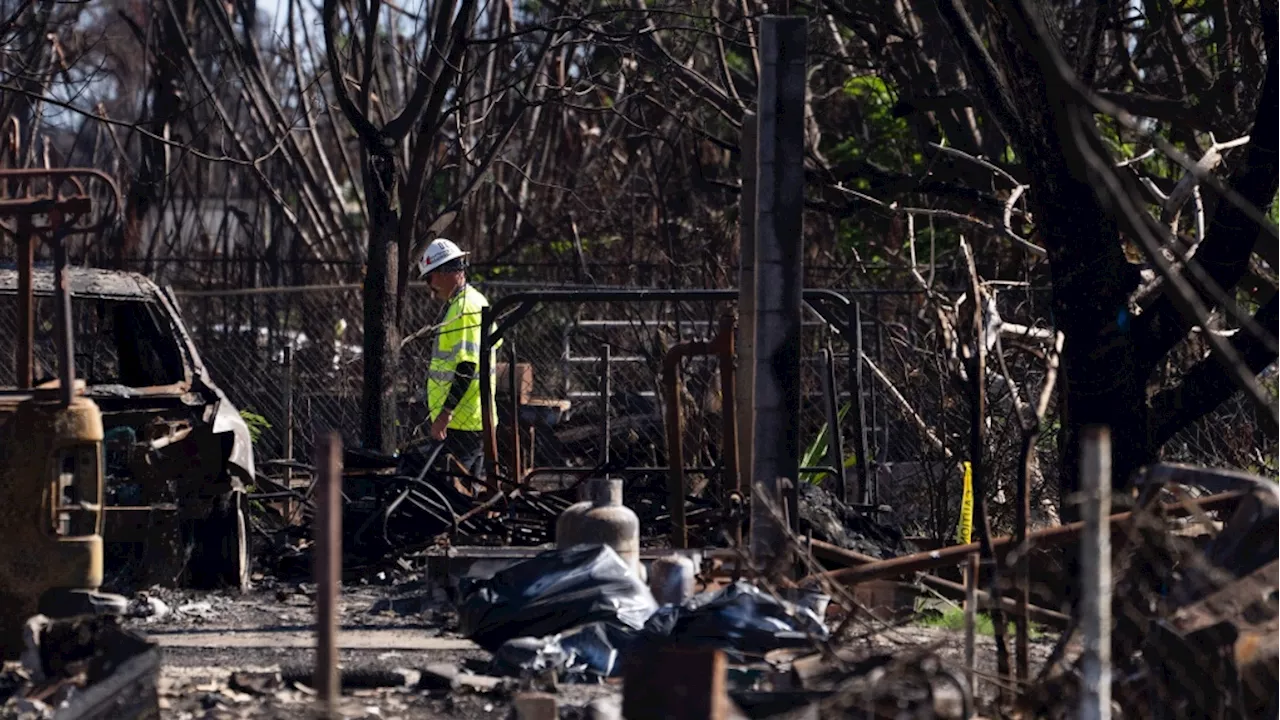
231	655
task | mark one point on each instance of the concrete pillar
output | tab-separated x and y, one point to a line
779	274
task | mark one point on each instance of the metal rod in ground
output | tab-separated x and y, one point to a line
288	419
970	621
1095	566
328	567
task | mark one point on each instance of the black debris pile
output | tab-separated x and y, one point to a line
830	520
71	666
1195	624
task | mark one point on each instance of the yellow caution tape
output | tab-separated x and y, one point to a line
964	532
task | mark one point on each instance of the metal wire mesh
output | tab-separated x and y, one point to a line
291	359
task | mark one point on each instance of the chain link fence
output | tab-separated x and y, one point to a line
290	359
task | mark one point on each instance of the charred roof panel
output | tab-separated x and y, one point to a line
85	282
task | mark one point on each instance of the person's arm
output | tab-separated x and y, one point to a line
462	377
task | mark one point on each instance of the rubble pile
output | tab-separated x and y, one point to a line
1196	623
388	515
826	518
79	667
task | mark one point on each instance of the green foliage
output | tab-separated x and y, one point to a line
816	453
256	423
884	135
953	619
737	62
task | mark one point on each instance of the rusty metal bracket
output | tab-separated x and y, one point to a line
73	205
721	346
63	212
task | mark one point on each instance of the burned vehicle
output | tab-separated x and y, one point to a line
177	456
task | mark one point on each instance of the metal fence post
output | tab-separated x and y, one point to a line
328	568
863	494
487	315
1095	565
288	414
835	438
606	396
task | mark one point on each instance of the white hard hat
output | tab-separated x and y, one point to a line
439	252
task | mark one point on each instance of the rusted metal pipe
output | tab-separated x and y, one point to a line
834	553
1049	537
57	208
328	568
288	418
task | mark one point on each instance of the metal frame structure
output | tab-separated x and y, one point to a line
63	211
836	310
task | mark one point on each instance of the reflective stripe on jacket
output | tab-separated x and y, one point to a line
458	341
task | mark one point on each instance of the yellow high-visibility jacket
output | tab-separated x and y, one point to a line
458	341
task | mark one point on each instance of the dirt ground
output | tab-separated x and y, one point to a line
249	656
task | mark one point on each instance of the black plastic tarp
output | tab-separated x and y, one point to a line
553	592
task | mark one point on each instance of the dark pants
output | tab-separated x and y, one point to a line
465	445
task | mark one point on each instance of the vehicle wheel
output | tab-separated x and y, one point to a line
221	558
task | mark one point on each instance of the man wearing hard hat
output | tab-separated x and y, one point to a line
453	386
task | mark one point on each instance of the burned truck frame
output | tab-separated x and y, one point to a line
177	456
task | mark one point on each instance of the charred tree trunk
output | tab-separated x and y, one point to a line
381	351
1103	378
146	188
